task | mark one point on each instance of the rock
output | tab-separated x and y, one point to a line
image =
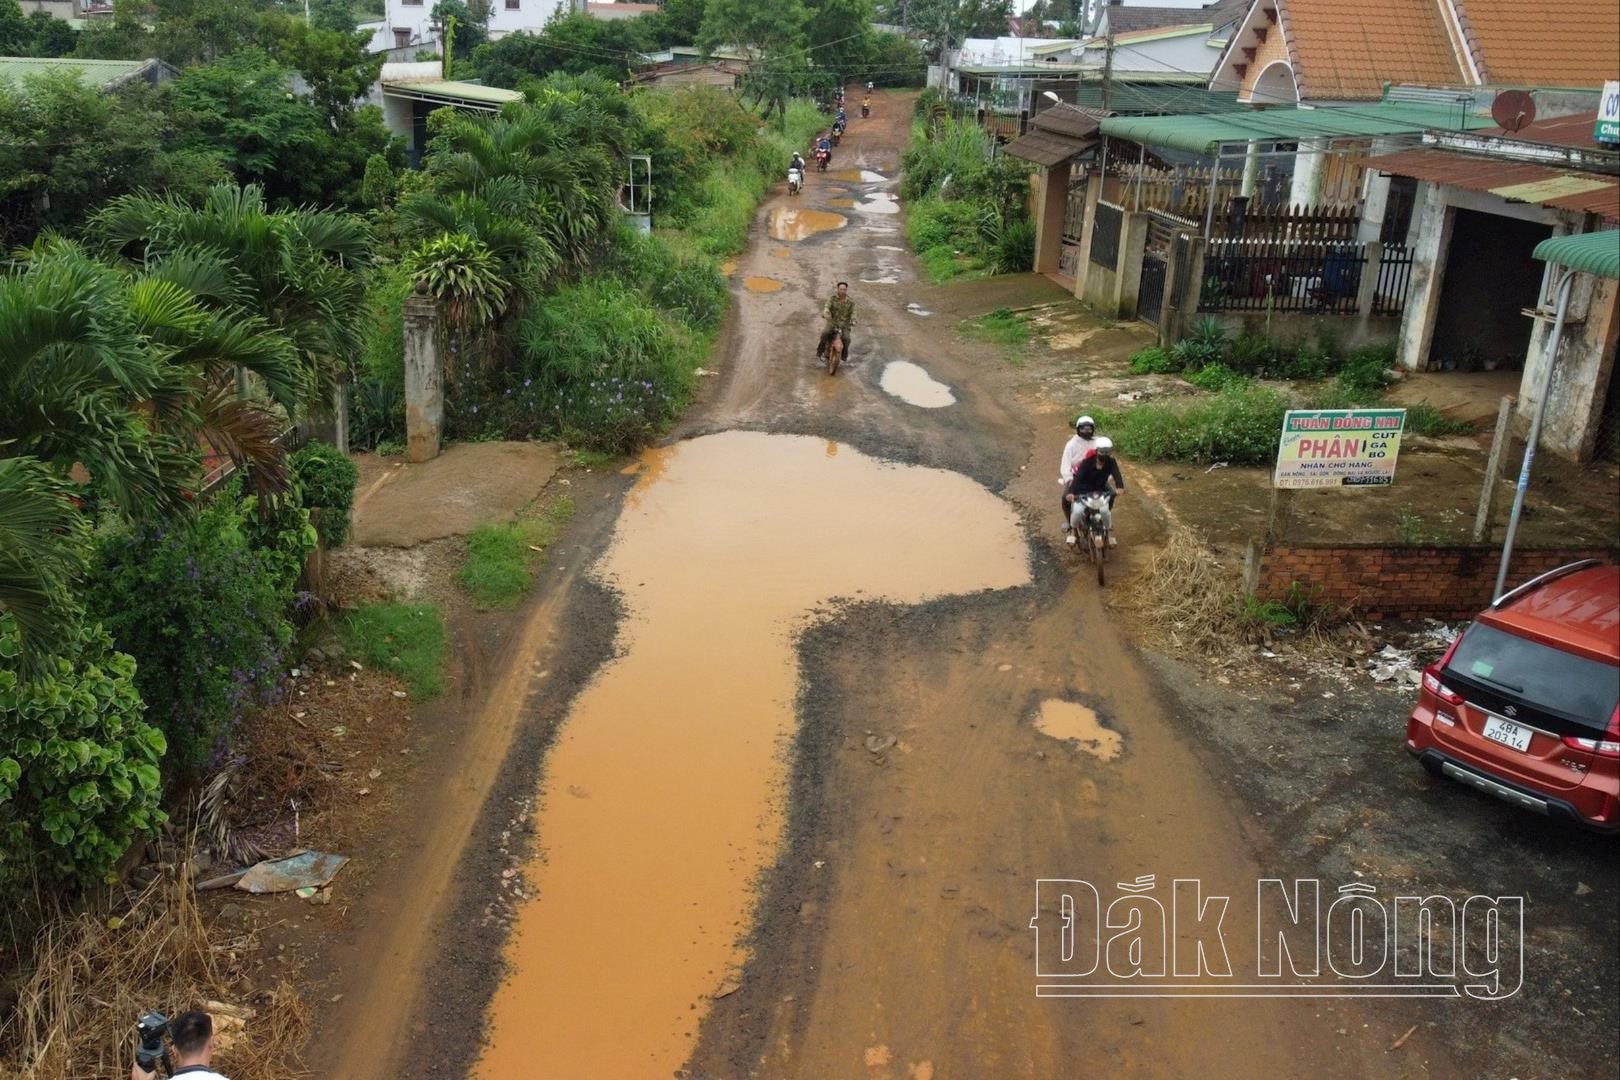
1582	889
335	651
314	656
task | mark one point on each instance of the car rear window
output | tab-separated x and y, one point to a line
1579	689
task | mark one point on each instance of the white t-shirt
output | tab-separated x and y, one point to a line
1075	451
193	1072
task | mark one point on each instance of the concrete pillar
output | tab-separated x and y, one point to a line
1088	222
1251	170
1432	220
1133	230
1308	161
1367	290
1585	366
1051	203
1374	197
424	379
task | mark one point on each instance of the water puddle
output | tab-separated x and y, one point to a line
795	225
878	229
858	176
918	310
762	284
879	202
781	253
725	546
1079	725
914	386
728	267
888	247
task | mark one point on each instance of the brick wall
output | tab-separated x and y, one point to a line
1380	581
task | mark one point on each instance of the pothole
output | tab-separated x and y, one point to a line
725	548
858	176
879	202
918	310
762	285
1079	725
793	225
913	385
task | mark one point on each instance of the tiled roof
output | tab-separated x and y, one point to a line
1123	19
1348	52
1550	43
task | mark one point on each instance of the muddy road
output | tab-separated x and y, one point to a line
788	736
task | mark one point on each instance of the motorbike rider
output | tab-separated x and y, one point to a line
866	105
1091	477
797	163
840	316
824	146
1076	450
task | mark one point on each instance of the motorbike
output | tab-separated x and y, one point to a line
866	110
837	134
833	354
1092	531
795	181
822	158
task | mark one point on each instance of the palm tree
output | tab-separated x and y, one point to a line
297	270
118	374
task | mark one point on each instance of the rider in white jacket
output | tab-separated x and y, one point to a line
1075	451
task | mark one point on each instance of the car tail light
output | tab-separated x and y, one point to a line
1608	746
1432	683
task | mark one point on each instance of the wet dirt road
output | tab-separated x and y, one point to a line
856	703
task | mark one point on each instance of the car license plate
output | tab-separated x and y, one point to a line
1508	734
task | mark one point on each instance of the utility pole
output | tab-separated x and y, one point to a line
1108	70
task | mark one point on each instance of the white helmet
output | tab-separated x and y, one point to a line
1085	420
1104	445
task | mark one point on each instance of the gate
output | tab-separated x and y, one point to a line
1162	231
1074	220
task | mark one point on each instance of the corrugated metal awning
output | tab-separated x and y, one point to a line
1594	252
1517	181
1206	133
1047	148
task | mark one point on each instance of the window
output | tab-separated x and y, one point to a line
512	5
411	3
1573	688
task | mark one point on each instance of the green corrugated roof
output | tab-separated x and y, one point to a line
1594	252
92	73
453	90
1159	98
1201	134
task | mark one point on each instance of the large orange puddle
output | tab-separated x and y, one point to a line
789	224
762	284
661	801
1079	725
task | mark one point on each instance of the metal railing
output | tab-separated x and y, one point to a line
1394	280
1281	276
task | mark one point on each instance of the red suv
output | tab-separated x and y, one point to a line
1525	705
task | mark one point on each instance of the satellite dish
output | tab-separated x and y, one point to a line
1513	110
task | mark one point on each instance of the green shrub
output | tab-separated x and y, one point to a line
1152	360
406	639
1425	419
1310	361
1216	377
1204	346
1239	425
204	614
1012	245
327	478
377	396
1363	371
689	287
1256	354
79	778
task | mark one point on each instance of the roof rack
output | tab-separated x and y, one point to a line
1556	572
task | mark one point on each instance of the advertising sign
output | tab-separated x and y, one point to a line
1608	117
1339	448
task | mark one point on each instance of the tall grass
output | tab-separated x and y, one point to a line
966	214
728	195
1239	425
406	639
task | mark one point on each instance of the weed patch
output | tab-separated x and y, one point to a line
408	640
501	558
1239	425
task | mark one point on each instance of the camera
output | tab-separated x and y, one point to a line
151	1027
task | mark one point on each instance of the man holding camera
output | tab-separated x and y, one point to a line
192	1034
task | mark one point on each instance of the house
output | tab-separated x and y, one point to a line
620	10
1480	299
410	91
103	75
407	25
1322	52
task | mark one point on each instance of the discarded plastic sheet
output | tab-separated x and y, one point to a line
306	869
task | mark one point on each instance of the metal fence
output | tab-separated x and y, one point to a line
1394	280
1279	276
1105	235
